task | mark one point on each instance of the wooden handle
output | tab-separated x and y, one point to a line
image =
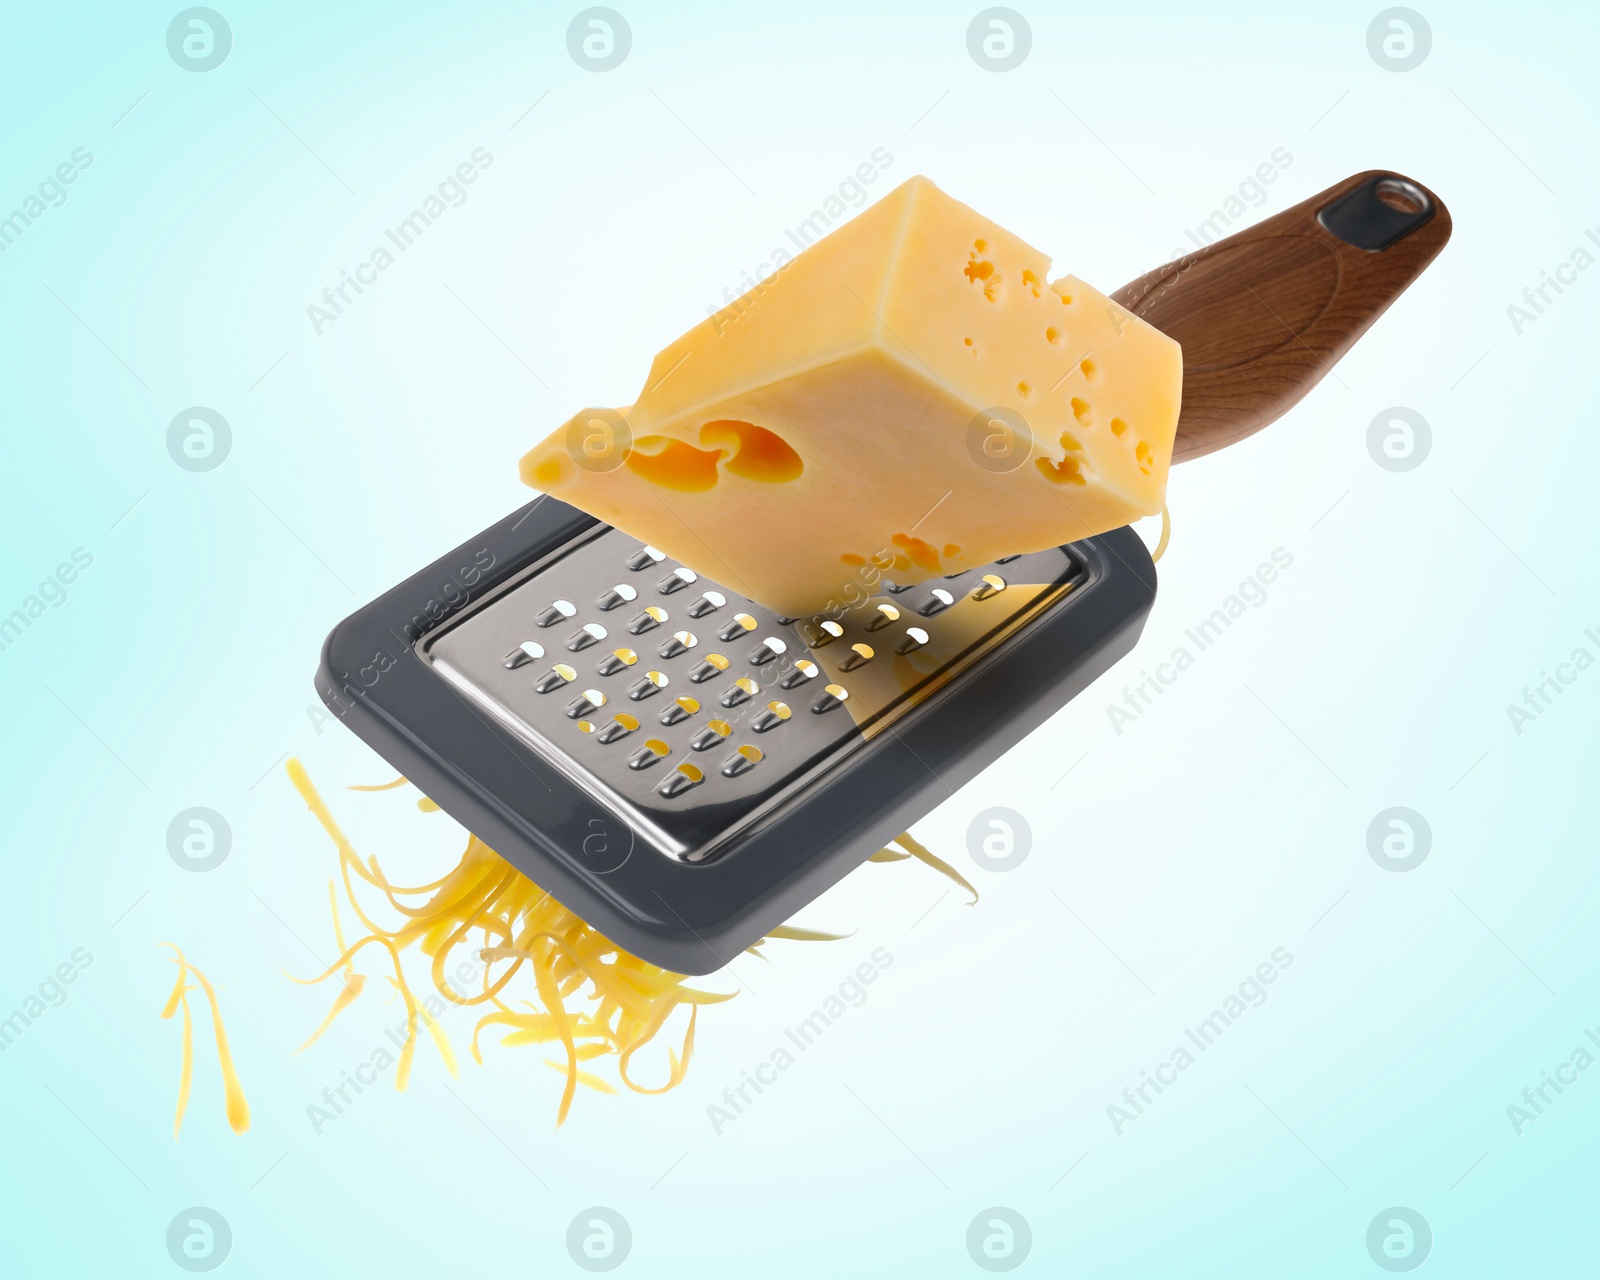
1265	313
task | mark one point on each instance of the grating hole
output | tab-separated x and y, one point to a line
833	629
780	709
685	638
688	704
627	656
775	644
626	721
658	746
690	772
585	726
595	696
717	661
748	685
656	678
564	671
838	691
719	727
745	621
564	607
752	754
917	634
809	669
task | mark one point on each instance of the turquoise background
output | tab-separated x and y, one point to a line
1168	860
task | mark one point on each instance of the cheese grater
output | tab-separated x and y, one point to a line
685	768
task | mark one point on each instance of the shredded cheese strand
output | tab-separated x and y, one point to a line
235	1106
923	854
594	999
1166	535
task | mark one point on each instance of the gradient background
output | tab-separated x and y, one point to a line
1230	820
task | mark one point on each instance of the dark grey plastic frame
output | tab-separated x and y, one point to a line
694	918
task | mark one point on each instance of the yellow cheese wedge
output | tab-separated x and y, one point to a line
908	395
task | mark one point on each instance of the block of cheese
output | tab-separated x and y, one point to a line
911	395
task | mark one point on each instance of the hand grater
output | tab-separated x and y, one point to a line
685	768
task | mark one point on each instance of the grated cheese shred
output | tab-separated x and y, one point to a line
592	998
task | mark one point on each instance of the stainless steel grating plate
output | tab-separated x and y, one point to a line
691	709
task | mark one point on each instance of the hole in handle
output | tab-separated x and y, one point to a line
1378	212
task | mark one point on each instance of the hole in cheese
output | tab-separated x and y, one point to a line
1067	471
737	447
754	452
918	552
672	464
